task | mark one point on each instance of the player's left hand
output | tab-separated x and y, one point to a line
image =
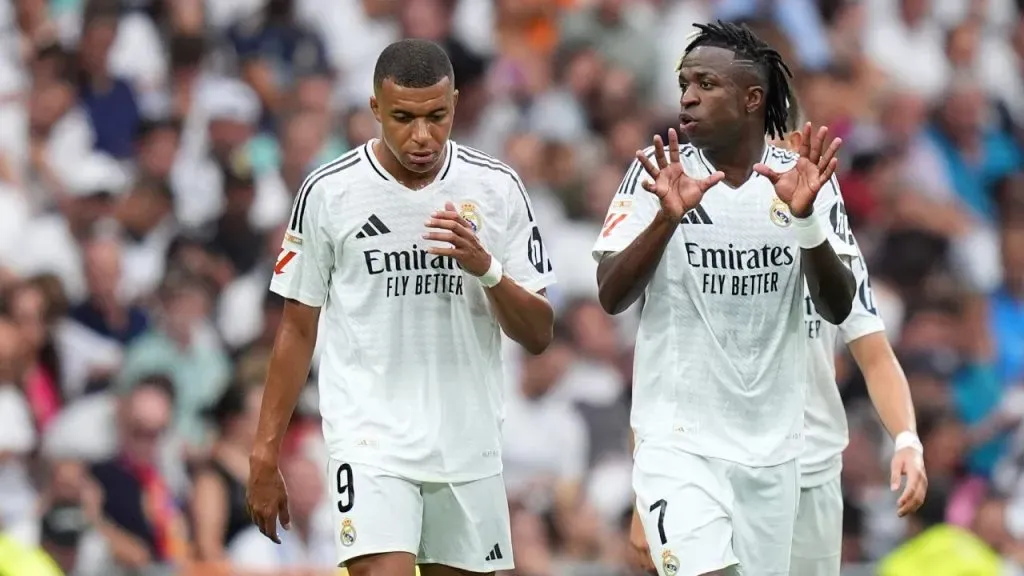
908	462
447	226
799	187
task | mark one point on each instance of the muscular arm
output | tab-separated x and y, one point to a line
830	282
289	367
622	277
525	316
886	382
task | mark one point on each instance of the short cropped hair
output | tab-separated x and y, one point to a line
413	63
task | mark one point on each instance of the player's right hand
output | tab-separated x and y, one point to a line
267	498
638	545
677	192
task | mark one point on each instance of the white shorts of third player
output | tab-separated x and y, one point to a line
818	536
704	514
463	525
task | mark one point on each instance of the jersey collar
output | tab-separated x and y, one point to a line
442	175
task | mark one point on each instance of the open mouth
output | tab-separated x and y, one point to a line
687	122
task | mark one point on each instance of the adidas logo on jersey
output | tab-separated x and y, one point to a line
696	215
494	555
373	227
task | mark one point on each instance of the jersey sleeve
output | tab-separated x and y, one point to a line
829	205
631	211
526	256
864	318
306	261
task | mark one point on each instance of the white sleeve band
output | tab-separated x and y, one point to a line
493	275
908	439
810	232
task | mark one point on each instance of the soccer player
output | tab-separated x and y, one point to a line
721	238
818	535
419	252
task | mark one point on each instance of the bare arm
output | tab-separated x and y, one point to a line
830	282
525	316
209	504
623	276
289	367
887	385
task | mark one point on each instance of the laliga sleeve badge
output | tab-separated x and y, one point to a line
348	533
779	213
669	563
470	213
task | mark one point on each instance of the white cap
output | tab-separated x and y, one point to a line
229	99
97	173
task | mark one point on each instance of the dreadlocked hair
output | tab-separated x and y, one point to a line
747	46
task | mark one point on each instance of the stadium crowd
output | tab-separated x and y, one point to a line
149	153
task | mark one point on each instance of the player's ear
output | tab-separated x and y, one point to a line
455	99
755	96
375	107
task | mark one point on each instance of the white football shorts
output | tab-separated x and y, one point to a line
703	514
818	536
464	525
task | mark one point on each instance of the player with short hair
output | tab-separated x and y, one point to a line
419	252
818	536
721	239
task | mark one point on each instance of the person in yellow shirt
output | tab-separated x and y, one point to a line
17	558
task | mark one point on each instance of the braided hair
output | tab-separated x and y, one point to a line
747	46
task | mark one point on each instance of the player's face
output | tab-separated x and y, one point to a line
718	94
416	122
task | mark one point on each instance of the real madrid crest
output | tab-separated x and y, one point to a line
669	563
779	214
470	213
348	533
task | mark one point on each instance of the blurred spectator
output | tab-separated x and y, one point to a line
183	345
146	525
219	510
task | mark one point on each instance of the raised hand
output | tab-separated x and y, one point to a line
677	192
799	187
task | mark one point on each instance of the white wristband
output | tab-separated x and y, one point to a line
908	439
810	231
493	275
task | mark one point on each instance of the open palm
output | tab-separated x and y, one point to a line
799	187
677	192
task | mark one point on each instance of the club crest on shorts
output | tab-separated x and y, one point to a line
348	533
669	563
779	213
470	213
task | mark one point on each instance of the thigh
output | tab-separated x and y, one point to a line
374	512
764	517
818	535
466	527
685	505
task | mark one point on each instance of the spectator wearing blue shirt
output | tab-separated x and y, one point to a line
275	52
109	101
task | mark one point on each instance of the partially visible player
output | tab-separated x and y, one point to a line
721	238
818	536
419	252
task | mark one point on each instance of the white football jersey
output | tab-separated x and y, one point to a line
825	424
411	378
720	361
